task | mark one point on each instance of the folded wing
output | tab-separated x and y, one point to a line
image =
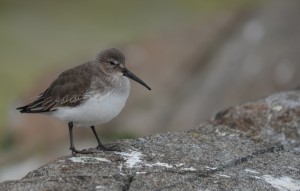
68	90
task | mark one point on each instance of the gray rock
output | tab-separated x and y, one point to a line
254	146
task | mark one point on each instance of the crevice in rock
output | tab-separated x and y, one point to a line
128	183
204	174
275	148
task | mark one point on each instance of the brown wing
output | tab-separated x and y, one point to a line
67	90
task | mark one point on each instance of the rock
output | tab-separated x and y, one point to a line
254	146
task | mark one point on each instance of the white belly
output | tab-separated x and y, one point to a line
96	110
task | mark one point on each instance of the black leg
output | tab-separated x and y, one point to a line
72	148
100	145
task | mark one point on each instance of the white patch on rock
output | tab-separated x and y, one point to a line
210	168
132	159
120	167
223	175
160	164
277	108
269	117
283	183
256	177
220	133
100	187
88	159
179	165
251	171
189	169
140	172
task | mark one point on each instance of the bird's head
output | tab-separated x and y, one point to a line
112	62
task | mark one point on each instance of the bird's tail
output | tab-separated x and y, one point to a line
23	109
34	107
27	109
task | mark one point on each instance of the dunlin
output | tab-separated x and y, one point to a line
87	95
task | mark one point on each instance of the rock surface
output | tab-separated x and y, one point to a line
255	146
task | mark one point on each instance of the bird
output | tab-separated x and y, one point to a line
87	95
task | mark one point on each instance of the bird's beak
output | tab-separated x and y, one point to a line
130	75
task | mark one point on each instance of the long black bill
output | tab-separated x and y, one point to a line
135	78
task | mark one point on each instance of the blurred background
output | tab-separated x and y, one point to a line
198	56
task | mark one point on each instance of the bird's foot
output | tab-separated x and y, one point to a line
75	151
104	148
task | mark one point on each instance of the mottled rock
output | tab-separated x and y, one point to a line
254	146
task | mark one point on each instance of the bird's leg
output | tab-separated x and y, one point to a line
72	148
100	145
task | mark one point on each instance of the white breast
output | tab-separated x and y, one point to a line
97	109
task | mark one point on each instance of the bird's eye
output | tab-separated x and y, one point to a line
112	62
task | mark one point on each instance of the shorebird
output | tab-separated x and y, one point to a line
90	94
